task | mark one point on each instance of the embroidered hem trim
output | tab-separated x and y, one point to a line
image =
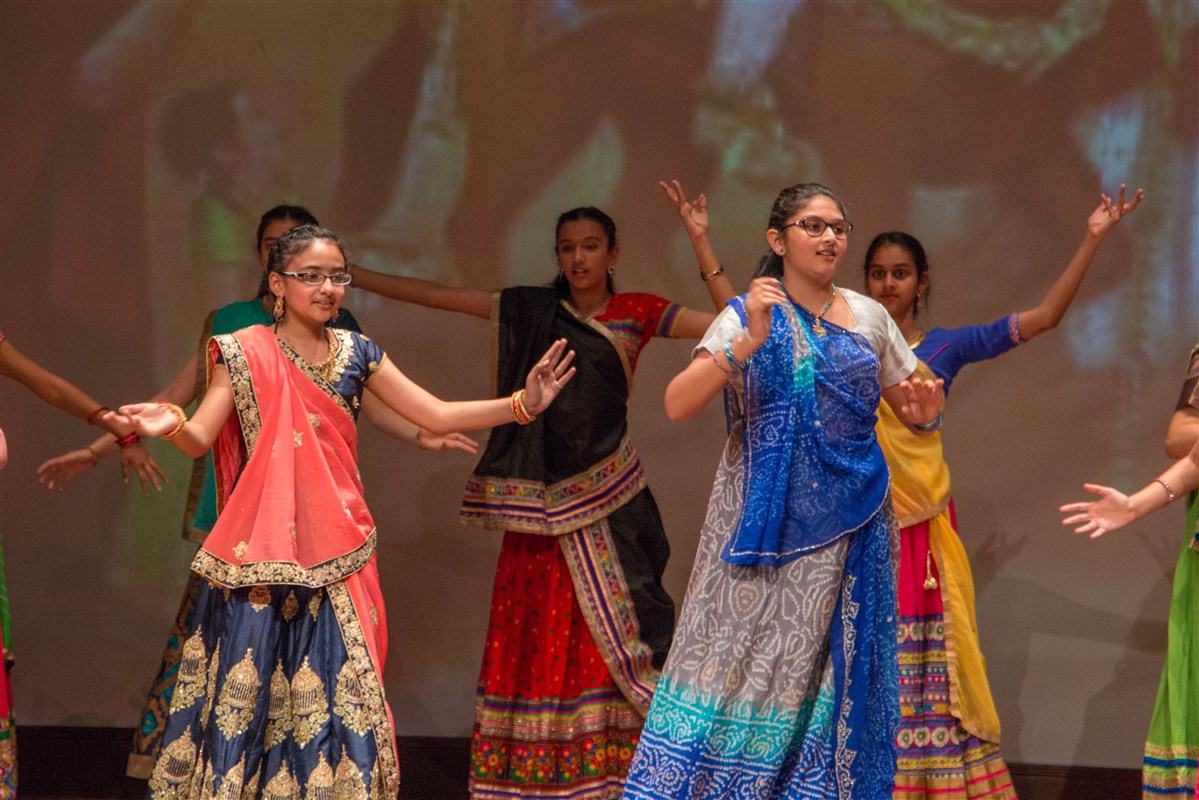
513	504
234	576
603	596
368	680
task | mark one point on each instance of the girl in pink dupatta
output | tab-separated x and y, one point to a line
280	688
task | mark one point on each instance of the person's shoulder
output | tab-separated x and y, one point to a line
863	307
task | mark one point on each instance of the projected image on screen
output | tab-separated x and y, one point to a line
141	141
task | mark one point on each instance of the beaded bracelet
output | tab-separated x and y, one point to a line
91	418
732	359
128	439
180	419
519	412
707	276
1169	491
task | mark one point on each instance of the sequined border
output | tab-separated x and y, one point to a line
233	576
341	360
372	688
604	598
512	504
243	388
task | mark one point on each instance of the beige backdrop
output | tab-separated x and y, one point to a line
140	141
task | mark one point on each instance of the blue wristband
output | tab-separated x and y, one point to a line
929	427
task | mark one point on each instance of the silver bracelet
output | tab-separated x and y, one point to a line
929	427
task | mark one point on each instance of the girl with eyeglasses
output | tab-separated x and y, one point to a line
781	681
188	386
580	622
948	741
279	688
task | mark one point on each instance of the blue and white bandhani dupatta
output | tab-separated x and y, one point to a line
782	681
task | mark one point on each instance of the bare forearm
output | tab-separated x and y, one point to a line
475	302
1052	308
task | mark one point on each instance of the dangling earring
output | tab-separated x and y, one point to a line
277	313
611	270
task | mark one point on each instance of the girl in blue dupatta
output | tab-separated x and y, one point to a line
781	681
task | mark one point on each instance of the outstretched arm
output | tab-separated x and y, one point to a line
694	216
57	472
395	426
58	392
1049	312
1114	510
475	302
197	434
544	381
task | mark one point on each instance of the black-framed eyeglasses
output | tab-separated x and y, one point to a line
815	226
317	278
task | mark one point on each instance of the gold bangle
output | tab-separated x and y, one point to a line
519	412
95	457
707	276
420	442
180	417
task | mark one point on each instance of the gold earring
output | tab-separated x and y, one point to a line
277	313
611	270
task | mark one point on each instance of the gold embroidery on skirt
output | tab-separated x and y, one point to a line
314	420
314	605
279	714
192	679
239	550
308	703
210	687
250	790
231	784
259	597
347	701
297	438
171	778
235	708
320	781
282	786
290	606
203	788
348	784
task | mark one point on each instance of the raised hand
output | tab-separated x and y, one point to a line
547	377
694	213
764	295
135	457
1108	214
1112	510
922	400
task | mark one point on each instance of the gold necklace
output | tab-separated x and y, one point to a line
324	368
817	325
919	339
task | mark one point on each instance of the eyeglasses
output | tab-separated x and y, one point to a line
315	278
815	226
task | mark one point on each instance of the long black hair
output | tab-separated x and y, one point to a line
560	285
786	205
296	214
911	245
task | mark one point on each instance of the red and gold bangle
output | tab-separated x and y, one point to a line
180	419
91	418
519	412
128	439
